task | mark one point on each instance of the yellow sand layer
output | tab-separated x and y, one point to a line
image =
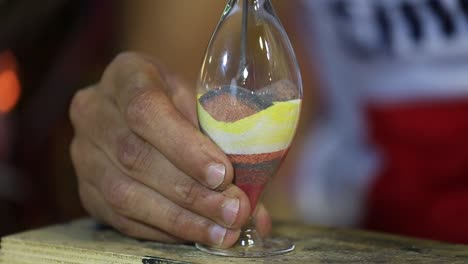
269	130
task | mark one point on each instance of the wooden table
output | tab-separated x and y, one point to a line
85	242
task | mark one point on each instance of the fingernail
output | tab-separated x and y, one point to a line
230	210
215	175
217	234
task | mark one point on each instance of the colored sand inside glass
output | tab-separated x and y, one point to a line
254	129
252	172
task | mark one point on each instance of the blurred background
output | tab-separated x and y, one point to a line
50	49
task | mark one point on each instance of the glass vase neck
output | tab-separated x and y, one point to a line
256	3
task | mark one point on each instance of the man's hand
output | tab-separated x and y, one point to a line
144	167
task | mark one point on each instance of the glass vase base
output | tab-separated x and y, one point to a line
268	247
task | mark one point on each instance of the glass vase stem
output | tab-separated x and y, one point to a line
249	236
245	18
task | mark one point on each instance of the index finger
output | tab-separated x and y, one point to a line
139	90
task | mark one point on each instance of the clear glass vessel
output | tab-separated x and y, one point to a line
249	96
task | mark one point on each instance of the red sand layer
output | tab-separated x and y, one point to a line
256	158
252	185
252	172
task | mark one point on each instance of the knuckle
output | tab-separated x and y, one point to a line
139	75
136	83
203	147
177	224
188	193
121	69
131	73
120	194
143	76
138	110
133	153
145	109
187	226
125	58
78	104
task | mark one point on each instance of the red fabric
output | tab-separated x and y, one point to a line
422	189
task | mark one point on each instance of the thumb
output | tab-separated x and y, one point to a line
183	97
